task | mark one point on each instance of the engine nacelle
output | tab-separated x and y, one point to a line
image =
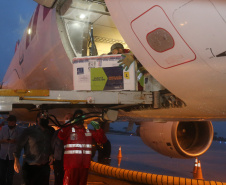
178	139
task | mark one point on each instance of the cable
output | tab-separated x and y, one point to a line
76	120
93	49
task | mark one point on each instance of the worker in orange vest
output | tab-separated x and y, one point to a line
78	149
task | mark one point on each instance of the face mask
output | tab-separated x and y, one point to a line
11	127
44	122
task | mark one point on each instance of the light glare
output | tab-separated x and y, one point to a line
82	16
29	31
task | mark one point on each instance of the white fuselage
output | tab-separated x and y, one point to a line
178	42
42	63
190	68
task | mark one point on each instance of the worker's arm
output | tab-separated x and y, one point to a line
7	141
95	125
127	60
3	136
98	135
2	140
16	164
51	159
63	133
20	143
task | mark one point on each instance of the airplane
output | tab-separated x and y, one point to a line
180	44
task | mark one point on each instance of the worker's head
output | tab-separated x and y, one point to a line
117	48
44	122
42	119
78	114
68	117
11	121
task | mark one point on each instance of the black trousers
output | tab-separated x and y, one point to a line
6	171
58	167
36	174
104	153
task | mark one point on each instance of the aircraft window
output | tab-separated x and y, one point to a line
160	40
45	12
76	31
17	45
21	59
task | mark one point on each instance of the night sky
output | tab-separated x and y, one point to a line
15	16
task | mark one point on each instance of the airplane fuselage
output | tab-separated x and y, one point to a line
180	43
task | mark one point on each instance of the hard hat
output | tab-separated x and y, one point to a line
116	45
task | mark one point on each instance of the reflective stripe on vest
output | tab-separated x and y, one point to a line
87	152
82	146
88	133
78	145
78	152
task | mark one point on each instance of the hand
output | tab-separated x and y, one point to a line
128	59
17	165
51	159
95	125
51	166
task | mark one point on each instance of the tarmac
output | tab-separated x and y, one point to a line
138	157
93	179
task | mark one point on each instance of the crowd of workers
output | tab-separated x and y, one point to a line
68	149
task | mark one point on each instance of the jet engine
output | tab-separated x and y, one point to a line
178	139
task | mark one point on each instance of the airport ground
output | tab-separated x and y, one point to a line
93	179
138	157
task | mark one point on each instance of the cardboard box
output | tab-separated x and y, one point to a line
100	73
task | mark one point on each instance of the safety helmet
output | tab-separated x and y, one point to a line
117	45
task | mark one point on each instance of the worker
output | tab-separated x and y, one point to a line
8	136
38	155
118	48
77	149
58	152
127	59
104	149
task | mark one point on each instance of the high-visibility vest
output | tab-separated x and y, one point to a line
78	148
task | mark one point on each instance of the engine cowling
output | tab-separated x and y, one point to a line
178	139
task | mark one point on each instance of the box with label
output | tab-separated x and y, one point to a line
100	73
